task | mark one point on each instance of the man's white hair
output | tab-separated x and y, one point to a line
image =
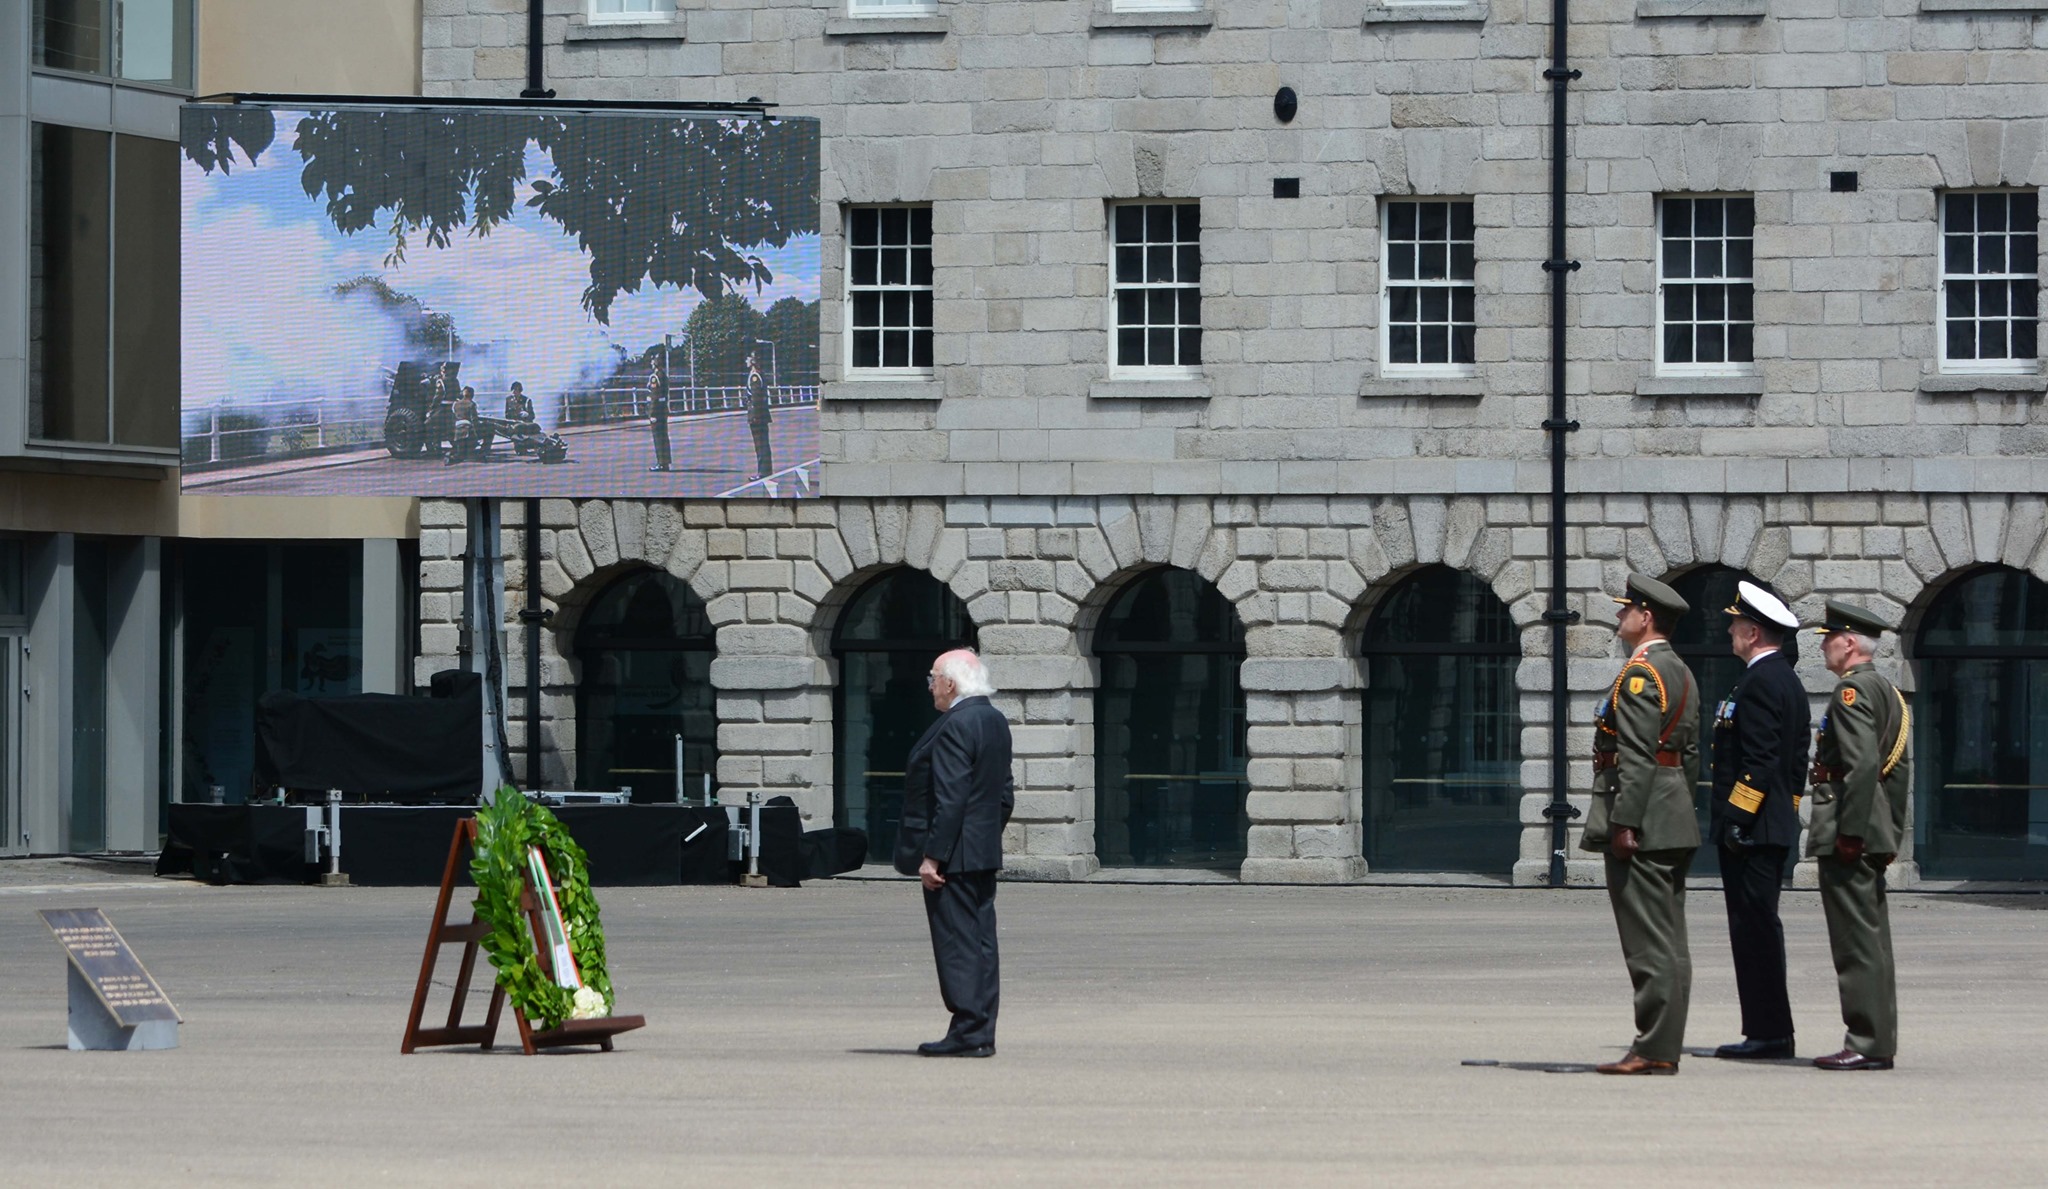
1867	643
969	676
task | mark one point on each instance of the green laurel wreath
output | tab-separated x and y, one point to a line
505	827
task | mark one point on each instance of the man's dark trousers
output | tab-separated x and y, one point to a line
962	915
1750	880
658	423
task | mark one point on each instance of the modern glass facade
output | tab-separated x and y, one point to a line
1980	747
1170	727
885	641
645	647
260	617
1442	731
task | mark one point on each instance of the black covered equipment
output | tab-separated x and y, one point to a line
383	745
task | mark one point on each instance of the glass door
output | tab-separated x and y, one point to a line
12	841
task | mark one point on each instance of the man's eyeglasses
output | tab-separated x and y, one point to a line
931	680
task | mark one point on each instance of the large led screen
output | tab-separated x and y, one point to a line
448	301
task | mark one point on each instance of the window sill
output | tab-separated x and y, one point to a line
1133	388
1653	9
1471	12
666	29
893	389
844	26
1107	16
1422	386
93	452
1986	382
1700	386
1984	5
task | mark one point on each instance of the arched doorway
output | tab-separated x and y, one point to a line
1980	736
645	647
1169	727
1701	641
885	641
1443	728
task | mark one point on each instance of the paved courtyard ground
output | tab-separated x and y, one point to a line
1194	1035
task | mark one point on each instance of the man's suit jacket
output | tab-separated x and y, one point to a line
1760	747
957	791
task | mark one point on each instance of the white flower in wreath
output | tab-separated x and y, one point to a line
589	1005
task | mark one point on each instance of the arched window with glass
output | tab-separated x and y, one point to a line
1443	729
1980	734
1701	641
645	648
1170	727
885	640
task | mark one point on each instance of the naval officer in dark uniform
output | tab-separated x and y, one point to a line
1761	736
1861	782
1646	760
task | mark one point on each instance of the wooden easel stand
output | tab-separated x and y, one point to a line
568	1033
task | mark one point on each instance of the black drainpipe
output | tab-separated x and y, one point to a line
532	616
536	43
1559	617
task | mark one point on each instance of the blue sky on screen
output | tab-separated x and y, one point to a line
262	323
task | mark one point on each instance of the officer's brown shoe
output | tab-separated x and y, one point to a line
1633	1064
1850	1059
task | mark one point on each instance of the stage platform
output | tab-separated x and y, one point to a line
407	846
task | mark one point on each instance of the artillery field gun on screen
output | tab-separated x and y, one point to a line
419	420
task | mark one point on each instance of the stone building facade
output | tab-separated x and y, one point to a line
1294	468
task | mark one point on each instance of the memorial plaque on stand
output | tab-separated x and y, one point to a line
115	1004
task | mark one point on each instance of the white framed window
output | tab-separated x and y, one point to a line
889	290
1156	292
622	12
1706	319
892	8
1990	281
1427	324
1157	5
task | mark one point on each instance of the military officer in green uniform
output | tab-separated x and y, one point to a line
1861	780
1646	759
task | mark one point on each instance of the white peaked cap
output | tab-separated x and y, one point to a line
1754	602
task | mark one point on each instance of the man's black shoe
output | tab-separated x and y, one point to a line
658	467
1757	1050
954	1048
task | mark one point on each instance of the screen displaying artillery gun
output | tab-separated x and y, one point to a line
420	421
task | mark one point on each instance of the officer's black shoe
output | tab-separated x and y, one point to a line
1757	1050
954	1048
1850	1059
658	467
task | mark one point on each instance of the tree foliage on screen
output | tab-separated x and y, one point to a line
650	200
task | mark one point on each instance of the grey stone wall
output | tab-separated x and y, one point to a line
1020	121
1293	475
1303	574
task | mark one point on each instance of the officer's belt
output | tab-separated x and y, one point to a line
1666	758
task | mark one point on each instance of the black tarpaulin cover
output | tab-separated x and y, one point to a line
382	745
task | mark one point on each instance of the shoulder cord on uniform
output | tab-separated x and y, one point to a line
1614	694
1898	745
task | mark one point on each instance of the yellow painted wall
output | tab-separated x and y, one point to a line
324	47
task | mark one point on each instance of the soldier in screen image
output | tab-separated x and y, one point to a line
1761	736
1646	759
1861	780
462	427
758	418
518	405
657	409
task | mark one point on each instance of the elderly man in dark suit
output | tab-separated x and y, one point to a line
957	797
